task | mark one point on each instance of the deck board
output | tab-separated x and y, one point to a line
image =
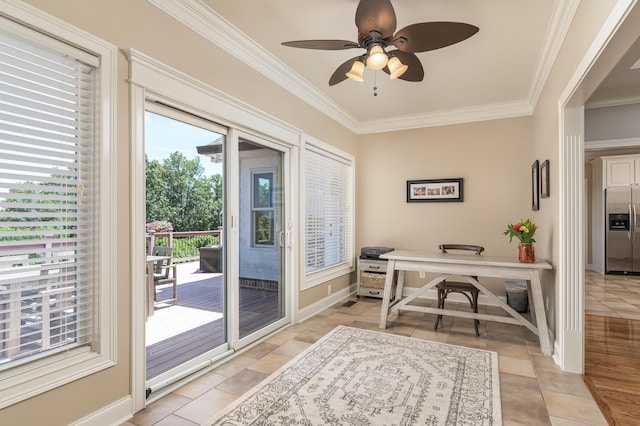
257	308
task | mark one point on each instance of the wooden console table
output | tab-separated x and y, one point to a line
466	266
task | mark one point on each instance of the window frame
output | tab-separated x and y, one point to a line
256	210
48	372
320	276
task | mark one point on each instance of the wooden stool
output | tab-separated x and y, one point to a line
468	290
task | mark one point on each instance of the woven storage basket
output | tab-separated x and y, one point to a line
372	280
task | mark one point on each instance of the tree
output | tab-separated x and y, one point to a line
178	192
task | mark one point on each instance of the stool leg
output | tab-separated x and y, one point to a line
476	322
440	306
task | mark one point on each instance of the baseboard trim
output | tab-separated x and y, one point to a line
319	306
113	414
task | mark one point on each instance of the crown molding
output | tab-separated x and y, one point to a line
561	17
221	32
612	143
614	96
444	118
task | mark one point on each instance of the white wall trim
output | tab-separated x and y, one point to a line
570	270
162	80
319	306
219	31
612	143
559	25
443	118
138	249
615	96
113	414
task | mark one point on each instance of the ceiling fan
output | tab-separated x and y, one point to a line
387	50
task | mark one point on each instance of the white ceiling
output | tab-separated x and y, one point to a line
496	73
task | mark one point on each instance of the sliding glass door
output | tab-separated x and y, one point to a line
216	242
184	163
262	235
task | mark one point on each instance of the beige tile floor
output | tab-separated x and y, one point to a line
534	390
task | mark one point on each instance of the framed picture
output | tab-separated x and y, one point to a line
544	179
535	186
434	190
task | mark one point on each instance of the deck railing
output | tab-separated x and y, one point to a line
172	236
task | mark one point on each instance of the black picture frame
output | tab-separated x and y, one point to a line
535	186
544	179
435	191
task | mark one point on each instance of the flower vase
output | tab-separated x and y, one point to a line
527	253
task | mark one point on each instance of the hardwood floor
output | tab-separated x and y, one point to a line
612	346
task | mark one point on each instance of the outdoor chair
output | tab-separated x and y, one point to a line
467	289
165	271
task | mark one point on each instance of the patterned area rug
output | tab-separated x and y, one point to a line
360	377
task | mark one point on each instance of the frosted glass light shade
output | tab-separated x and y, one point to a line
396	68
357	69
377	58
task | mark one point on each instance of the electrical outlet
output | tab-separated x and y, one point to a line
546	303
329	290
422	275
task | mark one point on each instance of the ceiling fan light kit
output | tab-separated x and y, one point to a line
377	58
357	71
396	68
376	23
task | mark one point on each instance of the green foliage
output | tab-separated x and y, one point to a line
178	192
523	231
188	246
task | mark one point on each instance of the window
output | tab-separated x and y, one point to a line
328	212
262	209
54	306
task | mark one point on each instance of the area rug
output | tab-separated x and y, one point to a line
361	377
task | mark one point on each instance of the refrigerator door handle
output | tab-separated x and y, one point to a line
632	224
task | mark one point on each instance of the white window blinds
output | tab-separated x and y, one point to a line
327	210
48	216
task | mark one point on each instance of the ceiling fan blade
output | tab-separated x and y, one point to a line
340	74
376	15
427	36
414	72
322	44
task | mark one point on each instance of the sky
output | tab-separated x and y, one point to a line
164	136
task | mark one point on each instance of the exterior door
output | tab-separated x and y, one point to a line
186	324
261	238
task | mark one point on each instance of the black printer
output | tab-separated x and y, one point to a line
373	252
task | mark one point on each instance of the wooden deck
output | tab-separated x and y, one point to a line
177	333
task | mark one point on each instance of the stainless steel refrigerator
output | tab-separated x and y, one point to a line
622	245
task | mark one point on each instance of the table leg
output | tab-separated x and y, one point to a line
386	296
540	315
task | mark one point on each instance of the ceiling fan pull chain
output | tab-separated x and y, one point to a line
375	83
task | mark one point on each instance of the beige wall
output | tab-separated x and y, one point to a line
493	157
